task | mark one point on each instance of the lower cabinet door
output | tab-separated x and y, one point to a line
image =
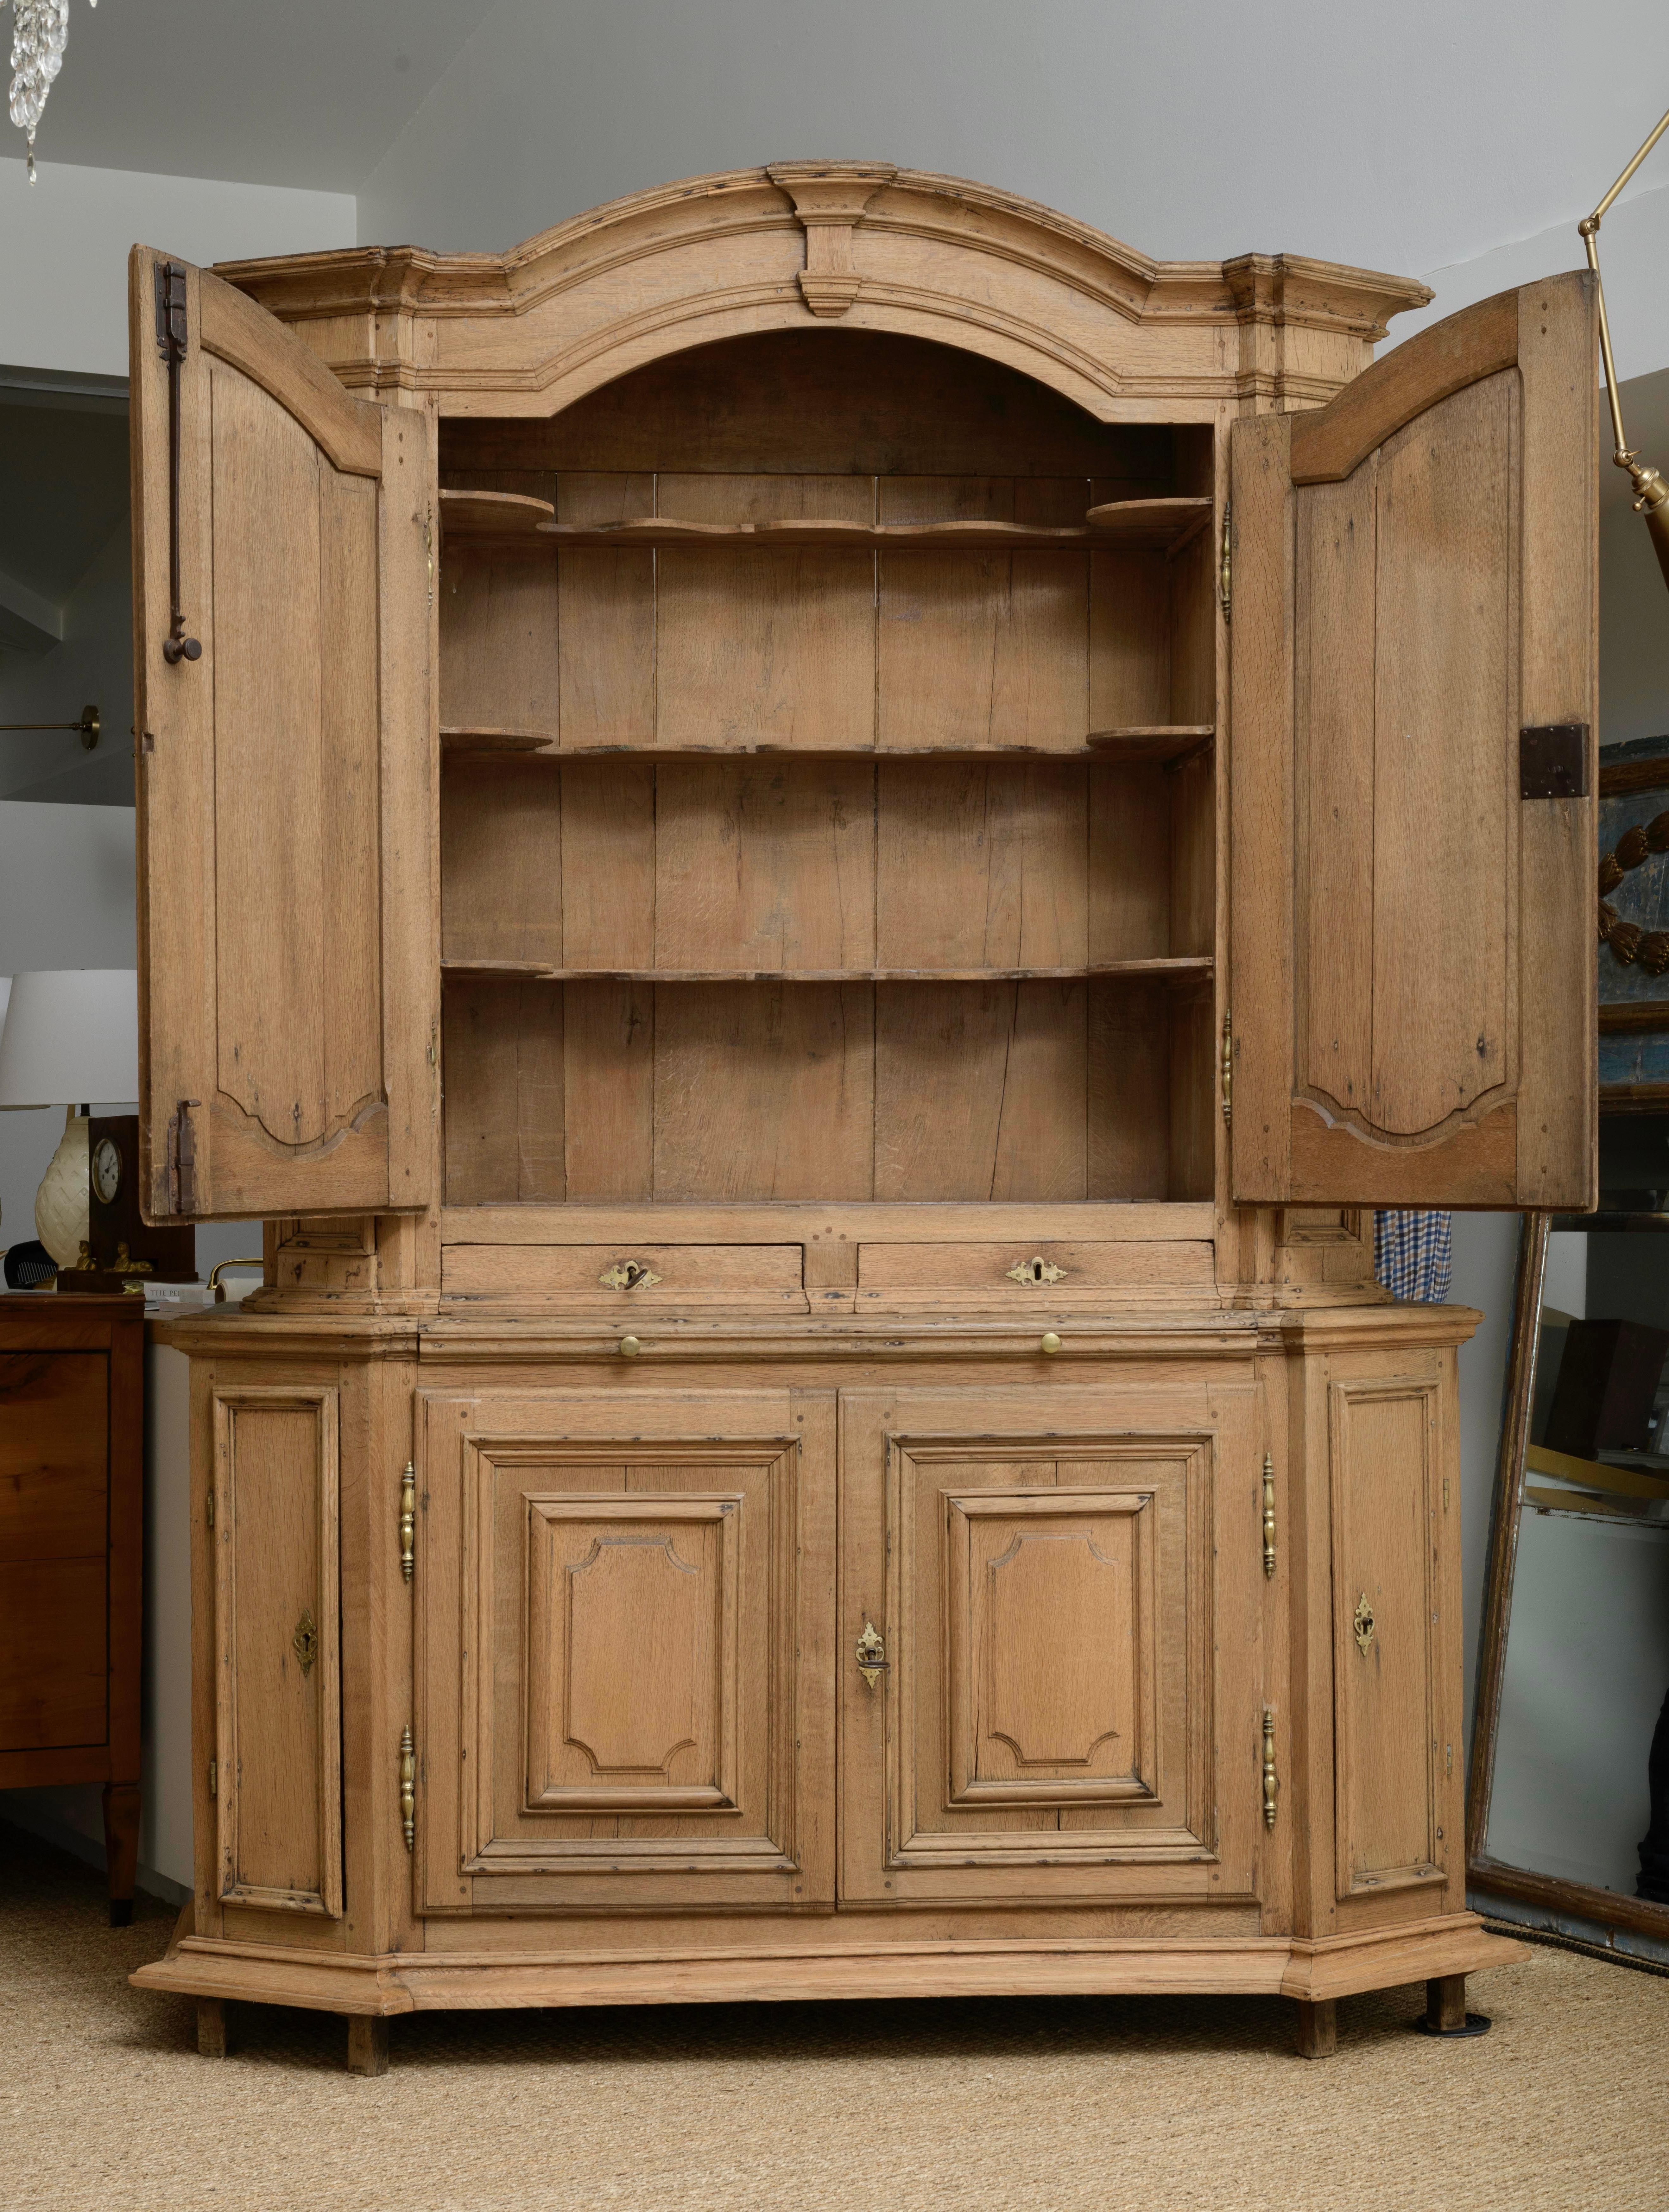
625	1672
1067	1588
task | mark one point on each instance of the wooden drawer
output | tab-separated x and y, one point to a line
618	1281
1020	1278
52	1654
53	1443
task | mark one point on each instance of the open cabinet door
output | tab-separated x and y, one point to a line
282	658
1414	734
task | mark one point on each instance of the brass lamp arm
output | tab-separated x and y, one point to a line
1651	492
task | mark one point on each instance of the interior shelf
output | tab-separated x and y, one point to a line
492	514
535	971
1140	742
1167	523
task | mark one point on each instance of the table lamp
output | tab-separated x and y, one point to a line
71	1035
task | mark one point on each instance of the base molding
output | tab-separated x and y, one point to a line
419	1981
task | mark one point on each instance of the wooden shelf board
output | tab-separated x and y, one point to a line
1164	522
492	514
1157	741
1169	523
534	971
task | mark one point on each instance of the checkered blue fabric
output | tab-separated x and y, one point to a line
1413	1255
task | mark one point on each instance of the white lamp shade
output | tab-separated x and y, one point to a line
71	1036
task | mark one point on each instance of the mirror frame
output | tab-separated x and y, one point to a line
1604	1908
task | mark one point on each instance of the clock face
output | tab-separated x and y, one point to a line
106	1171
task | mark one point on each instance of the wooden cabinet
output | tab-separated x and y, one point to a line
72	1396
828	835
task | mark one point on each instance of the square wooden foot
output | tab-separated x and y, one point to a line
1446	2013
368	2044
1318	2029
121	1826
211	2026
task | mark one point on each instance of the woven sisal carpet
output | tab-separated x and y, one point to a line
1104	2103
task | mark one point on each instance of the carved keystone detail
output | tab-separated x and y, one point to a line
830	198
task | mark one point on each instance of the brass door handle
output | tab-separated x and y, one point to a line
871	1655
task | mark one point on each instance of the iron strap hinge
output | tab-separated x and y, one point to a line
172	342
182	1159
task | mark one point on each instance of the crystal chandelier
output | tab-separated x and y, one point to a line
40	29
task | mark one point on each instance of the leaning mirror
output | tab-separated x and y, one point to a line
1568	1808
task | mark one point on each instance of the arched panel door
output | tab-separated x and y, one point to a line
1413	763
281	611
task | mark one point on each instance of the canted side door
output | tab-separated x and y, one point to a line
1051	1646
282	666
1414	716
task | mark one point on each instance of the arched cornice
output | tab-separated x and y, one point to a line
863	242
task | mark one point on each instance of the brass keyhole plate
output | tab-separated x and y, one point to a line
305	1642
1363	1624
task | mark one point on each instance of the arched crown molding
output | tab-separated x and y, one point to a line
794	242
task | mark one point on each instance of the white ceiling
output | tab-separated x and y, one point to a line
270	92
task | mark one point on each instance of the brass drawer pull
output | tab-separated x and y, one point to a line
1363	1624
871	1654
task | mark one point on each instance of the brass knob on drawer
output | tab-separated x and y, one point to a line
1051	1341
629	1347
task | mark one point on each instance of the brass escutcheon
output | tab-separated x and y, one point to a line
1035	1271
305	1641
871	1655
1363	1624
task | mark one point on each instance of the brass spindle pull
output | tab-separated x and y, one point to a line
408	1789
408	1522
1269	1513
1270	1783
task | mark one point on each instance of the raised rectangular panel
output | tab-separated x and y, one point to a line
1050	1617
278	1693
633	1681
1383	1445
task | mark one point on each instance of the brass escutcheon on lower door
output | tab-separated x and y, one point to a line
305	1641
1363	1624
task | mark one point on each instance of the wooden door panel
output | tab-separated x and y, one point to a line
277	1646
1393	1747
1412	939
282	771
620	1704
1053	1590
